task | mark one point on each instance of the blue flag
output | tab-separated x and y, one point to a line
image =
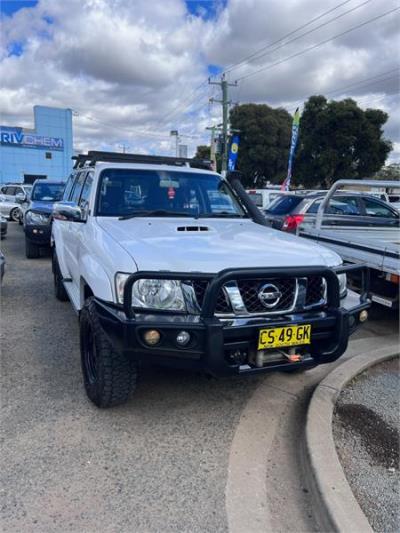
295	134
233	153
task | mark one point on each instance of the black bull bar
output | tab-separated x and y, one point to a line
217	281
216	337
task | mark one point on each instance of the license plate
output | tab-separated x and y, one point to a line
287	336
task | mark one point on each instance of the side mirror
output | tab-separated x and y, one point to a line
20	198
67	211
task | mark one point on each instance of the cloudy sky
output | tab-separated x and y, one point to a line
132	70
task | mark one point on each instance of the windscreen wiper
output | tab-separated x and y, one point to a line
156	213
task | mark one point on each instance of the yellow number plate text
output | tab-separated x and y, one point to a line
287	336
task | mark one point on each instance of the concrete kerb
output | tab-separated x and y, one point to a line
337	508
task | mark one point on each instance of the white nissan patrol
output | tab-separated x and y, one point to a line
174	265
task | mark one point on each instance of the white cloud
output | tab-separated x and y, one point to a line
130	69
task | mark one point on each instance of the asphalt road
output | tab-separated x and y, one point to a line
186	454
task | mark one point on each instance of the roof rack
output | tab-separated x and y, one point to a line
92	157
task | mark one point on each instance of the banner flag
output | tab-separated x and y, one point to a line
295	134
233	153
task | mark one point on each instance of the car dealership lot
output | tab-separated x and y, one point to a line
158	463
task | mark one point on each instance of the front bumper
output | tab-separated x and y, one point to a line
214	340
38	234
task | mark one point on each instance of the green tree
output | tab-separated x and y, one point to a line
339	140
202	152
389	172
264	142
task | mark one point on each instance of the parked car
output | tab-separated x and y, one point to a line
263	197
9	208
374	246
345	209
11	190
161	274
37	218
3	226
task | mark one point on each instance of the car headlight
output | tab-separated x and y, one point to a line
342	285
36	218
163	294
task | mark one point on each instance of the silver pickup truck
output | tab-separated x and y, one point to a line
376	247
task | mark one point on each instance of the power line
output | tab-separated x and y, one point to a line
181	111
374	79
258	53
173	111
313	47
361	83
189	100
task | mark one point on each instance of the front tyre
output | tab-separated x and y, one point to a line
32	251
15	214
109	376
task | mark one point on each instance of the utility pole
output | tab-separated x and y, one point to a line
175	133
213	158
225	102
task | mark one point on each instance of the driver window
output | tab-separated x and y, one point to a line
76	192
68	187
344	205
84	200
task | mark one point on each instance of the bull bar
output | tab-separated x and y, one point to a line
331	326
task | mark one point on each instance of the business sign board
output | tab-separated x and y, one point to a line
16	137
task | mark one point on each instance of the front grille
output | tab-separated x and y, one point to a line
315	290
250	289
222	306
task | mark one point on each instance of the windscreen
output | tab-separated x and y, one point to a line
132	192
47	192
284	204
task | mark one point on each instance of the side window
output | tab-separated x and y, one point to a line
3	190
68	187
334	207
344	205
376	209
77	189
10	191
87	187
19	190
314	207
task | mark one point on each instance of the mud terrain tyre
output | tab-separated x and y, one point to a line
59	289
109	377
32	251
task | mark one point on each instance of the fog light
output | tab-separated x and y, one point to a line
183	338
363	316
151	337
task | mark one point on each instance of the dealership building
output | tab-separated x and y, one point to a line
42	152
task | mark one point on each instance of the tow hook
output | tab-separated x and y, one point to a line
292	355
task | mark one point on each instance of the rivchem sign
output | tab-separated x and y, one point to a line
16	137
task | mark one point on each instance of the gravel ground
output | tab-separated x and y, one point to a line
366	431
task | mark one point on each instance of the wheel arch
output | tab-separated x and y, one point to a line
94	281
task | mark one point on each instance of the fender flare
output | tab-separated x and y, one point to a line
94	275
